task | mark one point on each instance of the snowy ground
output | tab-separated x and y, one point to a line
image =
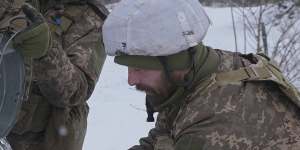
117	116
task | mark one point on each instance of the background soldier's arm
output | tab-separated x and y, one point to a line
33	40
68	73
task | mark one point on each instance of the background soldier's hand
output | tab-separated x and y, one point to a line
34	40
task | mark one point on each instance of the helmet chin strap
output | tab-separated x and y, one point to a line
150	109
186	83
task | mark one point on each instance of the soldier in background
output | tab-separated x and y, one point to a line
54	116
207	99
24	35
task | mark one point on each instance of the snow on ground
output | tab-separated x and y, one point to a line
117	116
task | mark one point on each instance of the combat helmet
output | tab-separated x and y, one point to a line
140	32
155	34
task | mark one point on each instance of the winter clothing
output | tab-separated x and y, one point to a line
218	113
23	34
34	41
33	32
227	100
54	116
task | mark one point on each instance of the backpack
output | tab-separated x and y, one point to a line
264	70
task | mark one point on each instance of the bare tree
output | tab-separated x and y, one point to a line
273	28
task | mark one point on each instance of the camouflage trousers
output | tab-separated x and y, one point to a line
65	130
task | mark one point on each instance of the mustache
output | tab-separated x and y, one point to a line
145	88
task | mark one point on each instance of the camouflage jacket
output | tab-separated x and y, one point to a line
3	8
227	115
62	81
9	9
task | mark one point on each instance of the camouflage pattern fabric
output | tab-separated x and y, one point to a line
55	115
9	9
232	116
3	7
32	39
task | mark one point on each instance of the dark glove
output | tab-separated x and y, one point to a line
34	40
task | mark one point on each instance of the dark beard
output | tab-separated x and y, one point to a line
155	98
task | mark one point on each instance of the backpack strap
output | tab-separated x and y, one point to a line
264	70
245	73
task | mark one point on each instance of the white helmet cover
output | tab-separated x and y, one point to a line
154	27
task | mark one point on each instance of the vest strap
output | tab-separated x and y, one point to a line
264	70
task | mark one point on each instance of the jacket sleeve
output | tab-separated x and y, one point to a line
159	132
190	142
67	75
147	143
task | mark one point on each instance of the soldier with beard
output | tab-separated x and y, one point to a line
206	99
54	115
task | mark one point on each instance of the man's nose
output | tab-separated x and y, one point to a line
133	77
